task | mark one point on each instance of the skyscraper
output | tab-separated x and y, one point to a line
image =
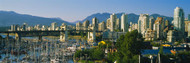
24	26
117	24
151	22
143	23
53	25
178	21
166	22
95	23
124	22
85	24
78	26
113	18
159	25
102	26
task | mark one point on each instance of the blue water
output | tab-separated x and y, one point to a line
6	35
150	51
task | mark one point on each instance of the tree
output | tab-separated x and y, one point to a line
161	50
97	54
111	57
82	34
128	46
93	54
77	54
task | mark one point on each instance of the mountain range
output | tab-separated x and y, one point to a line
131	17
8	18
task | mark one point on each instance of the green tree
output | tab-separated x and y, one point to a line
82	34
77	54
111	57
128	46
97	54
161	50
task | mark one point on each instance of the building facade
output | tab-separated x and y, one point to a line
178	21
113	23
159	26
113	18
143	23
151	22
124	23
95	23
172	36
117	26
79	26
53	26
86	24
102	26
186	25
150	35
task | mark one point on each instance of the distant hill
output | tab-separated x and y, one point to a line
131	17
8	18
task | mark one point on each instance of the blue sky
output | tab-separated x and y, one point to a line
72	10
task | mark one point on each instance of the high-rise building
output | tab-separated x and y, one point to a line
102	26
172	35
85	24
159	25
117	24
95	23
44	27
62	27
186	25
151	22
14	27
53	26
113	18
124	23
78	26
30	28
133	26
37	27
108	24
178	21
166	23
150	34
143	23
24	26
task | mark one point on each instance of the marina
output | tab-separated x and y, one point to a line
49	51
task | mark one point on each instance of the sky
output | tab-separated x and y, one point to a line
73	10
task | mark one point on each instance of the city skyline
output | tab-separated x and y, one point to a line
86	31
78	10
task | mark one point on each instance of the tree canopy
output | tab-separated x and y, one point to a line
128	46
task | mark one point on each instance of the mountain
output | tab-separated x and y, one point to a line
131	17
165	17
8	18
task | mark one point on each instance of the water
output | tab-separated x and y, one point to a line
36	51
150	51
166	50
